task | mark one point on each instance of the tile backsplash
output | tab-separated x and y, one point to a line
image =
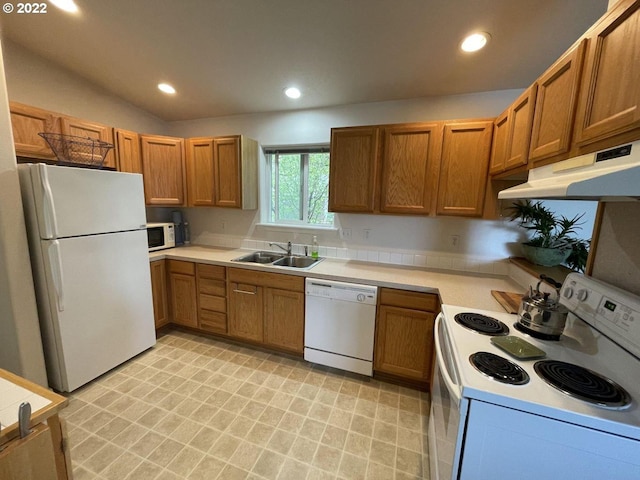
413	258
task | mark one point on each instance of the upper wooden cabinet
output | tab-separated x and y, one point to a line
127	145
555	109
163	169
410	164
26	123
87	129
463	172
223	172
200	171
499	146
512	145
610	97
353	169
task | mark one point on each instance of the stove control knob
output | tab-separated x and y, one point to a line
568	292
582	295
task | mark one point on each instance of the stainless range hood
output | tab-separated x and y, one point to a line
611	175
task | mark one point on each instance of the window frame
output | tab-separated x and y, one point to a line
271	155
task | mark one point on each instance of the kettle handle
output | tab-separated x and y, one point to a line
551	281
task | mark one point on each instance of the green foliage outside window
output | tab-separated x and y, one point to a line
300	188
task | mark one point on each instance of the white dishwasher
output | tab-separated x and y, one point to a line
340	321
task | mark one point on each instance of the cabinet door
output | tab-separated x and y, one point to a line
184	307
352	169
463	173
200	172
610	97
410	168
404	340
499	146
159	292
246	311
26	123
163	170
520	120
96	131
555	109
284	319
227	177
128	151
29	458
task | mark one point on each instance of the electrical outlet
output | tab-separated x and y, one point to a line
345	233
223	225
454	241
366	234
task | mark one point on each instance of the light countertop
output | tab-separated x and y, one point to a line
455	288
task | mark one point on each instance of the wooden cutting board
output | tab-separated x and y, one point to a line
510	301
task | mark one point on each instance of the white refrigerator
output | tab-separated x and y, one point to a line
89	255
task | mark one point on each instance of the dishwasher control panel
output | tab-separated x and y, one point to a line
348	292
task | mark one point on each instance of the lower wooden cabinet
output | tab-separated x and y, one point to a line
267	308
182	291
404	334
212	298
159	293
284	319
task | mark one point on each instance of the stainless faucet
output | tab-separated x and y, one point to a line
287	249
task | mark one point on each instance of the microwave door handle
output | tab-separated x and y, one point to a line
453	388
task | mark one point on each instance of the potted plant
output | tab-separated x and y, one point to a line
553	241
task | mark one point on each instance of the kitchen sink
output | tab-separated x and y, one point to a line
259	257
296	262
278	260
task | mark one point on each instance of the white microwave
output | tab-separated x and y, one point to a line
161	235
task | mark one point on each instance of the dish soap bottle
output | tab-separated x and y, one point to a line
314	247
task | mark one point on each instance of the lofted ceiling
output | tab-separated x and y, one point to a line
228	57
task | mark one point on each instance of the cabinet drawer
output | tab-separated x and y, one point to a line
415	300
274	280
213	321
212	287
211	271
179	266
209	302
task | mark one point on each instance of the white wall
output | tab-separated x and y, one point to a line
36	81
20	344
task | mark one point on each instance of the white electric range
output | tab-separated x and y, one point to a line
481	428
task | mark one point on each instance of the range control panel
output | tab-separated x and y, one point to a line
613	311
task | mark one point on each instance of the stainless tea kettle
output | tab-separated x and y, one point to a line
540	315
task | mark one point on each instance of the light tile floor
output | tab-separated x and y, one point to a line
199	408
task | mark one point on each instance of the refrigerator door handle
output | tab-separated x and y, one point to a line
56	270
49	211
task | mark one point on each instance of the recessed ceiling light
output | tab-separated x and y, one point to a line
66	5
166	88
475	42
292	92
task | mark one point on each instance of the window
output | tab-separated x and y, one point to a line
299	186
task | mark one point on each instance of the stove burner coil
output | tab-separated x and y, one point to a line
499	368
481	323
579	382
